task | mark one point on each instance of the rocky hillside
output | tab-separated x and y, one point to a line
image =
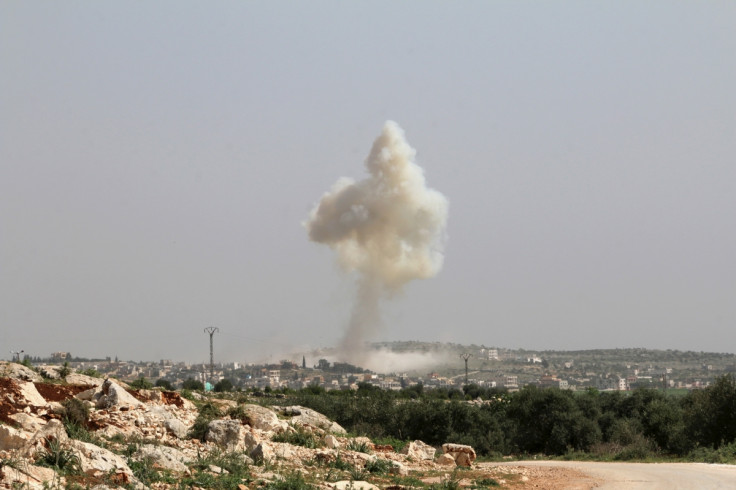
86	432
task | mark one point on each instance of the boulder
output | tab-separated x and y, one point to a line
262	452
97	460
111	394
227	434
83	379
332	442
53	431
250	440
27	421
419	451
164	457
264	419
398	469
30	395
49	372
30	477
445	460
303	415
12	438
153	396
18	372
462	454
353	485
176	427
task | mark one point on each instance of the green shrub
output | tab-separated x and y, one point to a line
192	384
486	482
207	413
298	437
65	370
341	464
165	384
141	384
74	411
92	372
62	459
224	385
292	481
378	466
358	446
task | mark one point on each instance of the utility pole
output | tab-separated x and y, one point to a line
211	331
465	357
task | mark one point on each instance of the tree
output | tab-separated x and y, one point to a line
710	414
192	384
223	385
323	364
65	370
165	384
141	384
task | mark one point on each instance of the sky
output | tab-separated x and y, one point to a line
158	161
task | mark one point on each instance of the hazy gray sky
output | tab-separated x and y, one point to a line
157	160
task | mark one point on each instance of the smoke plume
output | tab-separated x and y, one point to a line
388	228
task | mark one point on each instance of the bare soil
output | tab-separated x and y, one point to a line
58	392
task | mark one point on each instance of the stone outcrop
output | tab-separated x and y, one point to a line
83	379
353	485
12	439
419	451
98	461
27	421
307	416
461	454
110	394
18	372
262	418
156	424
227	434
29	477
164	457
445	460
52	431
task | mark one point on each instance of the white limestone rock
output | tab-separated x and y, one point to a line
264	419
445	460
353	485
12	438
94	459
163	456
30	394
462	454
27	421
303	415
30	477
332	442
18	372
111	394
83	379
419	451
262	452
227	434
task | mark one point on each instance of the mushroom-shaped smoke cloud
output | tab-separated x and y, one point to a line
388	228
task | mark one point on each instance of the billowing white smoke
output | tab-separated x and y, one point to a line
389	228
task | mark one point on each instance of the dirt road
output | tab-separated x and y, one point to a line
625	476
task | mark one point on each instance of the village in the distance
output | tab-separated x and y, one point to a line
452	366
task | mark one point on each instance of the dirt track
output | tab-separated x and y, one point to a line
625	476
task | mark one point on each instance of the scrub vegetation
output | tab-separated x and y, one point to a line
638	425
